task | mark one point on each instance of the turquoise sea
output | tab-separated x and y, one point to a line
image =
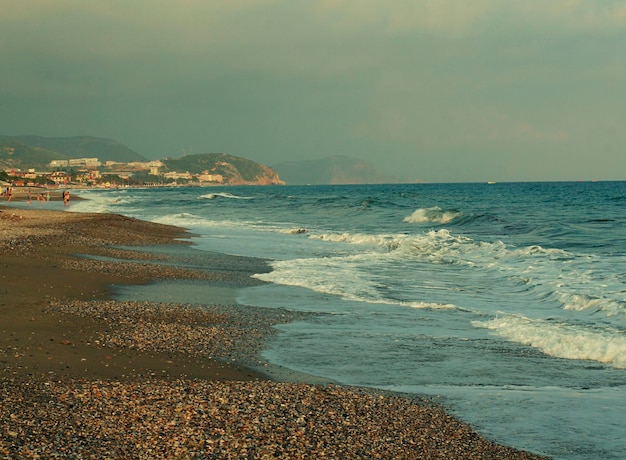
506	302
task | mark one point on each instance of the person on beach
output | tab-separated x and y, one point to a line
29	198
9	193
66	197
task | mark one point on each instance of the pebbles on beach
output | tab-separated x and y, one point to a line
138	269
183	418
60	416
233	333
203	419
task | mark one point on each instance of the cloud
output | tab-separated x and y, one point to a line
602	16
453	18
448	16
317	76
435	124
318	39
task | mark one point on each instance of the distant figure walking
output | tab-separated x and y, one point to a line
66	197
9	193
29	197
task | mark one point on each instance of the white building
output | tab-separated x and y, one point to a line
78	162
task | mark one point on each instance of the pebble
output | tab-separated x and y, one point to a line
150	418
226	332
211	419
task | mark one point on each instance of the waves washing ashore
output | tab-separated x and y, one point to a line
562	340
500	299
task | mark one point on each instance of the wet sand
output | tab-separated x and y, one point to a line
84	376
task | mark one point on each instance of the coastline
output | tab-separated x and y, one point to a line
137	379
39	267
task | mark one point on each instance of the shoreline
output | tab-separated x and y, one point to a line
73	358
39	263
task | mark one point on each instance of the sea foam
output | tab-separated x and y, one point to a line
562	340
581	302
434	215
213	196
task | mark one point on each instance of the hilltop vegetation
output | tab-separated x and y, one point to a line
235	169
14	154
38	152
82	146
21	153
25	152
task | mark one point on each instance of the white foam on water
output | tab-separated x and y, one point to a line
389	287
586	303
562	340
199	222
346	277
388	241
433	215
217	195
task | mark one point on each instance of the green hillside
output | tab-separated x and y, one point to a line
235	170
83	147
14	154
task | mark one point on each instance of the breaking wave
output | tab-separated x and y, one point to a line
214	196
560	339
433	215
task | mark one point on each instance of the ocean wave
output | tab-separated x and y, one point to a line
561	340
536	250
534	264
293	231
433	215
102	203
432	246
213	196
312	273
582	302
181	219
189	220
443	247
388	241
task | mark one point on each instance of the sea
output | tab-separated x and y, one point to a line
504	302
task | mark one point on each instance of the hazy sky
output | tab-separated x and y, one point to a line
440	90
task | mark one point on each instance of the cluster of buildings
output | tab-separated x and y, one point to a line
91	171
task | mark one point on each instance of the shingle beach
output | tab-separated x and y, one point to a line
85	376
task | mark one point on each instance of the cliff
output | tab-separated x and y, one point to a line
235	170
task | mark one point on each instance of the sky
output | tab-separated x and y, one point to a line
433	90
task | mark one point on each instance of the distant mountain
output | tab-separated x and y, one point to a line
235	170
63	148
332	170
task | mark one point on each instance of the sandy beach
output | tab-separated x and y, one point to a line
85	376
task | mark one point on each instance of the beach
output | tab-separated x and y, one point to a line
85	376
